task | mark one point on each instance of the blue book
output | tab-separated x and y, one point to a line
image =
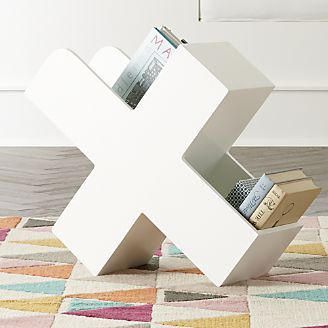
255	197
263	186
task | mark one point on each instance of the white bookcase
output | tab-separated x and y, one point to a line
162	169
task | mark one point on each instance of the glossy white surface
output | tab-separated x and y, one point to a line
195	109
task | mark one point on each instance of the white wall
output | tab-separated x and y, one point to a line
292	55
24	125
274	125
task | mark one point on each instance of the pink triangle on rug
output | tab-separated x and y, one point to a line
229	304
312	278
3	234
129	313
309	221
15	263
44	321
158	252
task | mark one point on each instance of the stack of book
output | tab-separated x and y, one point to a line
274	199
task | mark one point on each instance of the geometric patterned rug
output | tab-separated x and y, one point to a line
42	285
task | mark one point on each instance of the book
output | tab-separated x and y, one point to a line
285	203
262	187
240	191
145	65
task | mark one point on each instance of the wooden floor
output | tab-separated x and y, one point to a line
41	181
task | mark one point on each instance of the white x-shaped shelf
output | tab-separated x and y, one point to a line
164	168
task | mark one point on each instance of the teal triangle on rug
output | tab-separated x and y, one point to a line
173	250
315	295
78	304
46	287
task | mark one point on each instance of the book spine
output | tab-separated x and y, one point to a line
255	197
240	191
267	207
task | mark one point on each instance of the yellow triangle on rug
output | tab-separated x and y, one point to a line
43	304
53	242
236	321
313	249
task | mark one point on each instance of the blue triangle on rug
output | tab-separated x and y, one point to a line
315	295
46	287
78	304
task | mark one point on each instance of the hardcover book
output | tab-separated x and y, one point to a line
285	203
262	187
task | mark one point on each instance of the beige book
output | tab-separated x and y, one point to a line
285	203
286	175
